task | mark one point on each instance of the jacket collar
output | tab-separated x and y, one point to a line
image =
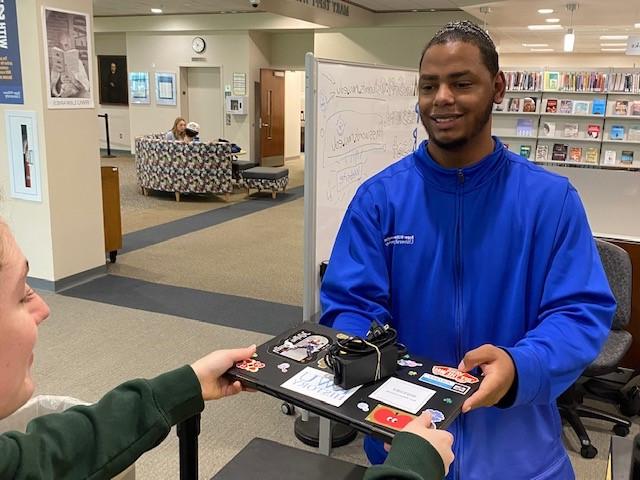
448	179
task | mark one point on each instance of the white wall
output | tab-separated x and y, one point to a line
148	52
292	106
568	60
119	127
288	49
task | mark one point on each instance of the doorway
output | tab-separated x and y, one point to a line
272	117
202	100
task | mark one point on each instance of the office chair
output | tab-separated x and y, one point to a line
617	267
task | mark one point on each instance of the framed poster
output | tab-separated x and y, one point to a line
24	156
165	88
112	72
139	87
67	43
11	90
239	83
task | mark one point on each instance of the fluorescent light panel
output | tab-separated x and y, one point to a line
636	25
569	40
552	20
614	37
156	10
545	11
542	49
535	45
613	45
545	27
613	49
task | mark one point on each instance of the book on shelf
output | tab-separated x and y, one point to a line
580	107
593	131
525	151
575	154
609	157
591	155
498	107
517	80
549	129
559	152
529	104
616	132
551	105
635	108
626	157
598	106
551	80
524	127
633	135
514	104
621	107
566	106
571	130
624	82
542	152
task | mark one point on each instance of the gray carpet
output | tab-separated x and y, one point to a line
161	233
215	308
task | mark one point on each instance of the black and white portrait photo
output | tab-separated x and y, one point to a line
112	72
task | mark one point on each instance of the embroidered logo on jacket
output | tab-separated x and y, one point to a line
399	240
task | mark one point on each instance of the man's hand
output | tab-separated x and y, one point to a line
441	440
498	371
210	370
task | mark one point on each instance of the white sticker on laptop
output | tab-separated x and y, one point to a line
404	395
317	384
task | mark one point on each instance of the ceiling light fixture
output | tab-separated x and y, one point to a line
535	45
485	11
542	49
570	36
614	37
636	25
552	20
613	49
545	27
613	45
545	11
156	10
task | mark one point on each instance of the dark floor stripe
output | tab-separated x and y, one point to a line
215	308
161	233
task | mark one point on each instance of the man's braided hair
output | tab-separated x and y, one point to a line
467	32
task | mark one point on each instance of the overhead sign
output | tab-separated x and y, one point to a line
10	72
633	46
339	8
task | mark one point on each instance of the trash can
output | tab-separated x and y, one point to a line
43	405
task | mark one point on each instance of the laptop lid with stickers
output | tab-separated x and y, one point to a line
291	367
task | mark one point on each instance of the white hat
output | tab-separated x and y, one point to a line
194	127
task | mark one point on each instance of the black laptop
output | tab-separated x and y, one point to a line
292	368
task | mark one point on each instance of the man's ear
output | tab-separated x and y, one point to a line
499	87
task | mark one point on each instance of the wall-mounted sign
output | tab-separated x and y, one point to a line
10	71
24	156
165	88
67	43
139	87
339	8
239	83
633	46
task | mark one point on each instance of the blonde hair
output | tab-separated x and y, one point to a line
174	130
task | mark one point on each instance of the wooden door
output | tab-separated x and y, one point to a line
271	117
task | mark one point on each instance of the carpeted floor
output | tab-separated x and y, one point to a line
204	285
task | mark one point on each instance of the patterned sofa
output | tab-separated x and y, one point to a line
183	168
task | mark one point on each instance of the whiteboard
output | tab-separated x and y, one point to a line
359	119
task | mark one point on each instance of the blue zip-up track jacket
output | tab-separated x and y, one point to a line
498	253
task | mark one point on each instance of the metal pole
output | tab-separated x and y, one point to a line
188	432
106	126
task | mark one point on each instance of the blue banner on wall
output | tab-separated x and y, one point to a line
10	71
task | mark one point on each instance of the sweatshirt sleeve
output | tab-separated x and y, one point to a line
575	315
411	458
101	440
355	288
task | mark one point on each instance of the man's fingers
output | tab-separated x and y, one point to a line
424	419
238	354
482	398
477	357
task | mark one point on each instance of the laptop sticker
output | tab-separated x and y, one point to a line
284	367
454	374
403	395
389	417
317	384
250	365
303	346
444	383
364	406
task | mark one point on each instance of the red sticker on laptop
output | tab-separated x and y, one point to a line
454	374
250	365
389	417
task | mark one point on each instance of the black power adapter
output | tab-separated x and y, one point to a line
358	361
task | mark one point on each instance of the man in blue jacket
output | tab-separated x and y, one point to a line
479	259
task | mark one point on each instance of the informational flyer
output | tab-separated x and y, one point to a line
165	88
139	87
11	90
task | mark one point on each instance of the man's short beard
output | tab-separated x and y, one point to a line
459	142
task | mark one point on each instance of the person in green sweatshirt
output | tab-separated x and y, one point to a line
101	440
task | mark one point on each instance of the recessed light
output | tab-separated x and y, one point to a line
636	25
545	11
614	37
613	44
156	10
545	27
613	49
552	20
542	49
535	45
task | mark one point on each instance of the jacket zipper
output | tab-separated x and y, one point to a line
458	315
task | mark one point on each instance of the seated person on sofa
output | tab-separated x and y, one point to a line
191	132
102	440
177	133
